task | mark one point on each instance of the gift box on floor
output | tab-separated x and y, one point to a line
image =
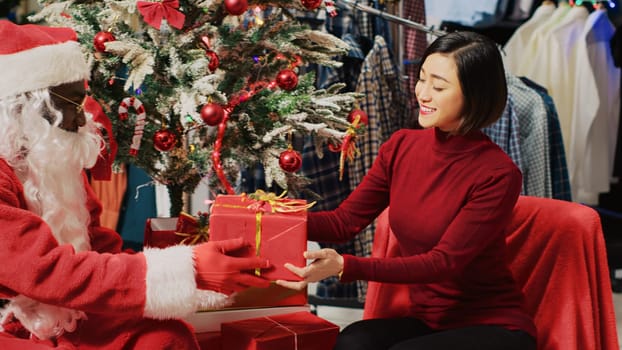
210	320
185	229
210	340
295	331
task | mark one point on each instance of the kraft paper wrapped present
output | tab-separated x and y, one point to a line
295	331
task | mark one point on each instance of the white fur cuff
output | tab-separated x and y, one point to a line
171	285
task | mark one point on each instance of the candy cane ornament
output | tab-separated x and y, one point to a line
330	8
141	117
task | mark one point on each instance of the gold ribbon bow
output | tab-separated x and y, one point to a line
199	229
278	204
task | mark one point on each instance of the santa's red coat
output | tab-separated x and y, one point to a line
131	299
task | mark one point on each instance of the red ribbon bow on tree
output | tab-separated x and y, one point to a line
154	12
348	147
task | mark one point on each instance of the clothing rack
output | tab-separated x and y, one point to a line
390	17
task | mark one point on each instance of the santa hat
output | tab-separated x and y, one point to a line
35	57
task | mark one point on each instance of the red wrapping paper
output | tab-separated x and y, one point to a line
160	233
165	232
295	331
283	236
283	239
210	340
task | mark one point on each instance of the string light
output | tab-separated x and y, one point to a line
611	3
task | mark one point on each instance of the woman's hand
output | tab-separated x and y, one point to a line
326	262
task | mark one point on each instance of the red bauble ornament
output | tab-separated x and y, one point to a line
311	4
363	118
212	114
236	7
214	61
290	160
287	79
164	140
101	39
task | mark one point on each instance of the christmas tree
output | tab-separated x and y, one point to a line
200	89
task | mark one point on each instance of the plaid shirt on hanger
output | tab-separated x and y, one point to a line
385	103
415	41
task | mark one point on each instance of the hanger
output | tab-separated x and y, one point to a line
390	17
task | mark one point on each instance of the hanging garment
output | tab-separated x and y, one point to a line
616	51
533	138
139	204
520	10
323	174
505	132
535	52
560	183
555	68
415	41
111	193
345	21
516	46
595	111
385	103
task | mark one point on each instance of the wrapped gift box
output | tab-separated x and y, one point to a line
277	229
278	236
165	232
210	340
295	331
186	229
209	321
160	233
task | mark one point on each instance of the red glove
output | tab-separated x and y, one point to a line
217	271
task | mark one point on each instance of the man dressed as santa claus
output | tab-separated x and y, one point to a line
66	279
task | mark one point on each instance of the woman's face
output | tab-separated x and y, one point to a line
439	94
69	99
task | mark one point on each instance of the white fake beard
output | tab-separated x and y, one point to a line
53	181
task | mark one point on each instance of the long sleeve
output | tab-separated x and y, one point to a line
449	206
156	283
451	199
468	235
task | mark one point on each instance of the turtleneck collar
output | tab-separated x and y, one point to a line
448	143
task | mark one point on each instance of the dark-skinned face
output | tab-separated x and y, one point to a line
69	99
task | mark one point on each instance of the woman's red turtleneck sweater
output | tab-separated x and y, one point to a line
451	198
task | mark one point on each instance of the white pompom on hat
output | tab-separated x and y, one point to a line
35	57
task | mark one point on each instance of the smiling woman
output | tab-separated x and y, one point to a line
467	81
439	93
453	252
